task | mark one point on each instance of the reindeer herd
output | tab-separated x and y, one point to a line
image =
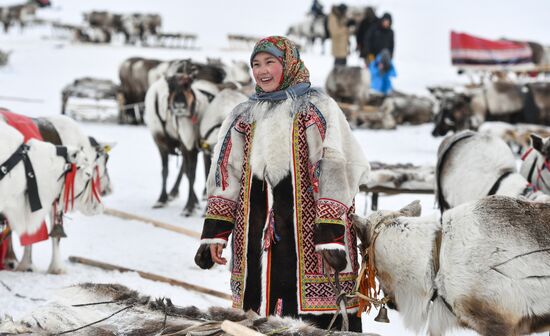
49	166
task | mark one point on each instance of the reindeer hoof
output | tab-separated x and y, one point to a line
187	212
20	268
173	196
159	204
56	270
10	264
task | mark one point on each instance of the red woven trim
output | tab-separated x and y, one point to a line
221	208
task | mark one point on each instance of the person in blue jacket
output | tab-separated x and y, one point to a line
382	70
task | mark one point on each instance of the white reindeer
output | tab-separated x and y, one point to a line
50	170
472	165
214	116
489	274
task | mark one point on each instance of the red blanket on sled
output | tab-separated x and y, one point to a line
471	50
28	128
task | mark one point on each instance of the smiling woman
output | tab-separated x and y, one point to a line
285	172
268	71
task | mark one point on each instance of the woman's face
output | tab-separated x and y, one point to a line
267	71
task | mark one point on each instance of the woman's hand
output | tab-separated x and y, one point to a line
216	253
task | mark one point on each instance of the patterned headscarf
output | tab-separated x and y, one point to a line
294	69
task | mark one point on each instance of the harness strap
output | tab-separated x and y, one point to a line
211	129
62	151
526	154
32	187
532	170
208	95
496	186
443	205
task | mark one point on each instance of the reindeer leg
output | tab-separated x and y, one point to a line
26	262
163	198
191	169
57	232
174	193
10	262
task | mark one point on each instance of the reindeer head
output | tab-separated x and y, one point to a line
101	176
77	191
180	75
367	227
454	112
541	145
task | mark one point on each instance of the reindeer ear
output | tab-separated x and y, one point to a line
536	142
107	146
361	226
411	210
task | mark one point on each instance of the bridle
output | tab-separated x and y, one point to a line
545	166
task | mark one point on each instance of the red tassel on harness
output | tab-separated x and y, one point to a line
69	187
96	185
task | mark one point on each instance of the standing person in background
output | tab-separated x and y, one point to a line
283	179
316	9
368	22
339	34
380	37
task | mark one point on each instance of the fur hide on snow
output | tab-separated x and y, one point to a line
144	316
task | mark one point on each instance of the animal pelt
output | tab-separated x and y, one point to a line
402	176
409	109
144	316
493	265
516	136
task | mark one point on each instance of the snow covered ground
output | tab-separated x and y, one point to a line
40	66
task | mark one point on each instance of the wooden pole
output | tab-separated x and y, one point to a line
126	215
235	329
150	276
22	99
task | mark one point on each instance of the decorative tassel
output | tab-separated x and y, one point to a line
96	185
69	187
366	282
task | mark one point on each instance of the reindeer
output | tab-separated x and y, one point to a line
472	165
495	101
483	266
215	114
174	108
61	130
349	84
536	166
39	175
312	28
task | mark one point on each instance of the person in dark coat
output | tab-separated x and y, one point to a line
316	9
368	22
380	37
